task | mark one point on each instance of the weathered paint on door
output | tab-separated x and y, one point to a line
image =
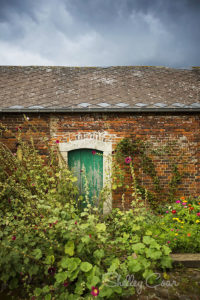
87	164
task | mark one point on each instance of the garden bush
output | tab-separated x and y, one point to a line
178	225
52	249
49	249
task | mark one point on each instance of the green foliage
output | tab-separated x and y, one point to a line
49	249
178	225
175	180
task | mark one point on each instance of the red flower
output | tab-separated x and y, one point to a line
93	152
66	283
198	214
128	160
191	208
188	234
57	141
51	270
90	236
13	237
95	291
174	211
75	223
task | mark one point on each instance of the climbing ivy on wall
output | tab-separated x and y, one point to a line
143	155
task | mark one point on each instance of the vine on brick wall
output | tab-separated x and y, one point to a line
142	154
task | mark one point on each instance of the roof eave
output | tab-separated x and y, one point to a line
84	110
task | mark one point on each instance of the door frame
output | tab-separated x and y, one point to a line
106	148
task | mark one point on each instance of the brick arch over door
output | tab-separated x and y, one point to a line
106	148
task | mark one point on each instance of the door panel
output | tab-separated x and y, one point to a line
87	167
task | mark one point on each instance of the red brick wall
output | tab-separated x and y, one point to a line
157	128
16	123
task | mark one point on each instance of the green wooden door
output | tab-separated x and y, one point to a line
87	166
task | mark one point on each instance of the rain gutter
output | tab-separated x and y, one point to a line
92	110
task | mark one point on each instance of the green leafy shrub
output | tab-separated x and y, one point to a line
51	250
178	225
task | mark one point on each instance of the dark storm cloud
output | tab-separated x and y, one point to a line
7	7
100	32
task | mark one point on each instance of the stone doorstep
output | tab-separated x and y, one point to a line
189	260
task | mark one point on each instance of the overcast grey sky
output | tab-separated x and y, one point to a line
100	32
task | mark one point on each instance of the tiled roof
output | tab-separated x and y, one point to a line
87	88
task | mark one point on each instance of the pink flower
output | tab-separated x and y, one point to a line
13	237
168	242
184	203
178	201
66	283
198	214
172	229
93	152
75	223
95	291
128	160
33	184
167	211
57	141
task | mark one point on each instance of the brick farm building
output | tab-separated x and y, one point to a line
94	108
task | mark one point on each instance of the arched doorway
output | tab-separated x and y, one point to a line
87	166
99	146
